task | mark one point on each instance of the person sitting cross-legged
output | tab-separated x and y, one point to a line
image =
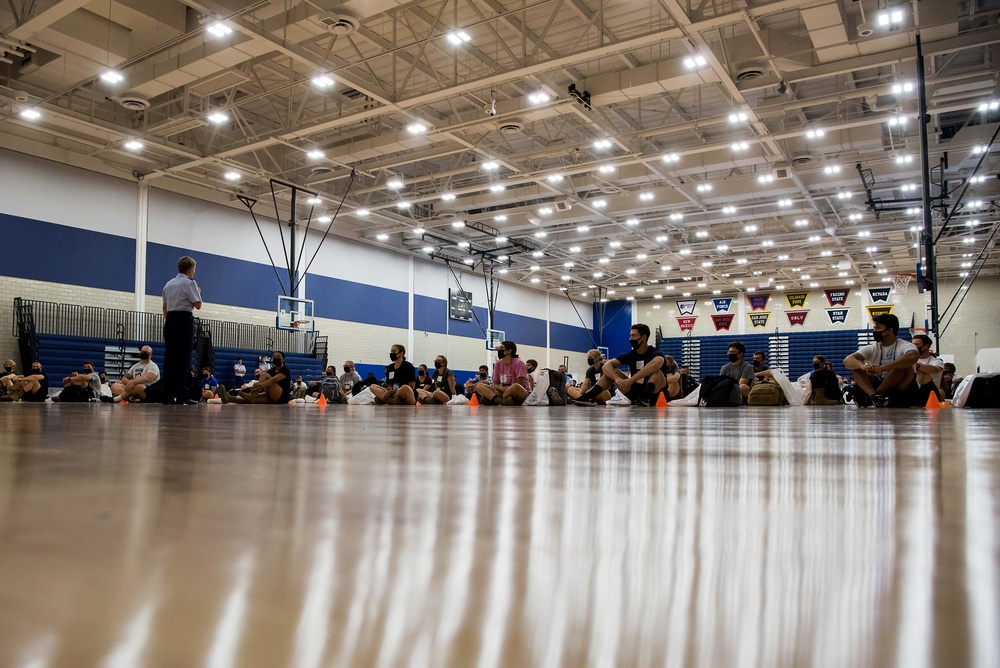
273	386
400	378
645	364
510	379
140	376
444	387
883	371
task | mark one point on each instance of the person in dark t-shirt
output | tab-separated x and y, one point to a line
274	386
646	366
400	380
595	370
32	387
444	387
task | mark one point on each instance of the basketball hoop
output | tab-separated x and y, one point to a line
900	282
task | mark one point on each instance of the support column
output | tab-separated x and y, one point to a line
409	311
548	331
141	236
927	233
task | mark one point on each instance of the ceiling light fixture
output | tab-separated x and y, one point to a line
815	133
491	165
606	169
695	61
395	183
740	146
416	128
133	145
458	37
232	176
30	115
112	77
539	97
361	212
671	157
219	29
601	144
218	117
382	237
322	81
497	188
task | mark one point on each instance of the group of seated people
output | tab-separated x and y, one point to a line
889	372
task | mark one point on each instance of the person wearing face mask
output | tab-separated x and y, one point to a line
760	368
883	371
595	369
646	366
32	388
8	372
79	387
273	386
398	388
688	383
674	389
510	379
424	381
328	386
208	385
824	384
737	369
135	384
929	370
483	376
444	385
348	379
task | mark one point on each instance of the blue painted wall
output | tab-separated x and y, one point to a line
43	251
617	322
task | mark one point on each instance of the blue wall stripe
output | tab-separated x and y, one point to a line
355	302
223	280
68	255
616	326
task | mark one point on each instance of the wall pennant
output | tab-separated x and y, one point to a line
759	320
758	302
796	299
722	304
876	311
723	321
796	317
686	324
838	316
838	297
879	294
686	306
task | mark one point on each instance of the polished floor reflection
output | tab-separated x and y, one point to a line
361	536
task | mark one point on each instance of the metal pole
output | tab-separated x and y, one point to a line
291	247
927	235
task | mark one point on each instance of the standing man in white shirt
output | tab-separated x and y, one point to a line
181	296
883	371
239	371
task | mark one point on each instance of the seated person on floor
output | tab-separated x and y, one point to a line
273	386
737	369
298	388
8	371
646	368
760	368
328	386
531	366
444	387
883	371
570	380
483	376
424	380
510	379
207	385
948	384
688	384
675	388
929	370
33	387
81	386
136	383
348	379
595	369
400	378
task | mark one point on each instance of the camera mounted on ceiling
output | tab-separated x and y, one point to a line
491	107
583	98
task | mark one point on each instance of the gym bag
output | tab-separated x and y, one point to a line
765	392
719	392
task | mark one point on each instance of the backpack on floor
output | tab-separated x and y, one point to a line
540	387
557	389
826	388
719	391
766	392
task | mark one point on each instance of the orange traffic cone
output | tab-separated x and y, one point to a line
474	401
661	402
418	403
932	401
123	402
322	400
216	395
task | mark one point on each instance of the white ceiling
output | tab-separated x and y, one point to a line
784	68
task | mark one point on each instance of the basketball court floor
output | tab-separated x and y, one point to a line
439	536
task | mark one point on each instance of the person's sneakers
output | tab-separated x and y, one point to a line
105	399
13	395
506	401
582	401
224	395
879	401
861	398
642	401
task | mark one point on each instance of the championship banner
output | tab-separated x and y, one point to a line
838	316
879	294
686	306
758	302
838	297
723	321
759	320
796	299
875	311
796	317
686	324
722	304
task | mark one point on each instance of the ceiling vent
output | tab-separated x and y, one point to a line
750	71
339	24
321	171
134	102
801	158
511	127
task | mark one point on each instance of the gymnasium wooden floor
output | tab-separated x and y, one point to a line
360	536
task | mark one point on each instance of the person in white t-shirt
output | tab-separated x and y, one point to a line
928	368
883	371
142	374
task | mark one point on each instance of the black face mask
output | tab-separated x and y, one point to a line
733	357
277	361
482	374
878	336
8	369
85	370
438	365
634	343
424	372
347	369
144	355
36	371
393	357
817	366
757	364
590	361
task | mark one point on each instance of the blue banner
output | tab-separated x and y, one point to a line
722	304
